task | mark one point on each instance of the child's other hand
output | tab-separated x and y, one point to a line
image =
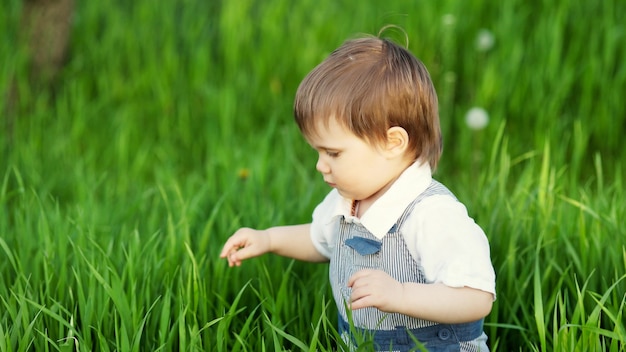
375	288
245	243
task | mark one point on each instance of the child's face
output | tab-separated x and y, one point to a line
357	168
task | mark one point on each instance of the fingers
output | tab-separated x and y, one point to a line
237	255
358	275
232	244
373	288
359	295
245	243
236	252
230	250
361	302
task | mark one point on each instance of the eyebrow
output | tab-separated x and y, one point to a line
316	146
322	147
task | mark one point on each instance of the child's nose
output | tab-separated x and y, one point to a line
321	166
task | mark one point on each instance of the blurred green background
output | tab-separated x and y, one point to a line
170	124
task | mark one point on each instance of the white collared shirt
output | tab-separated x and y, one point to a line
450	246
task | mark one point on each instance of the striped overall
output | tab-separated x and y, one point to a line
357	249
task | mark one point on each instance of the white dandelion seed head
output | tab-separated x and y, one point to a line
448	20
476	118
485	40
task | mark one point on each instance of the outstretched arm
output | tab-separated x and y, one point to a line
289	241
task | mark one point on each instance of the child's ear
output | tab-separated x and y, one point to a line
397	141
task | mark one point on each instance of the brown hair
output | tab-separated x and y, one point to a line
370	85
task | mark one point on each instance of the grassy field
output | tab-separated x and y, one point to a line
171	126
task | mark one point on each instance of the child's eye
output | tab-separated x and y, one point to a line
332	154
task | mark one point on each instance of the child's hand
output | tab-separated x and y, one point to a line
245	243
375	288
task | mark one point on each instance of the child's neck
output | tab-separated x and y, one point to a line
359	207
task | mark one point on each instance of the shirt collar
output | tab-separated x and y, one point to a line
386	210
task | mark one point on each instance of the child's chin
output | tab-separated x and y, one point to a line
345	194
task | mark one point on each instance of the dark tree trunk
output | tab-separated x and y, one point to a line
45	33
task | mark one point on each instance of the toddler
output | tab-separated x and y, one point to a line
407	263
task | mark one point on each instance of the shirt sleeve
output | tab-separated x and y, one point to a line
321	225
452	248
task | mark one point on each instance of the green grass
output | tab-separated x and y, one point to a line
171	126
